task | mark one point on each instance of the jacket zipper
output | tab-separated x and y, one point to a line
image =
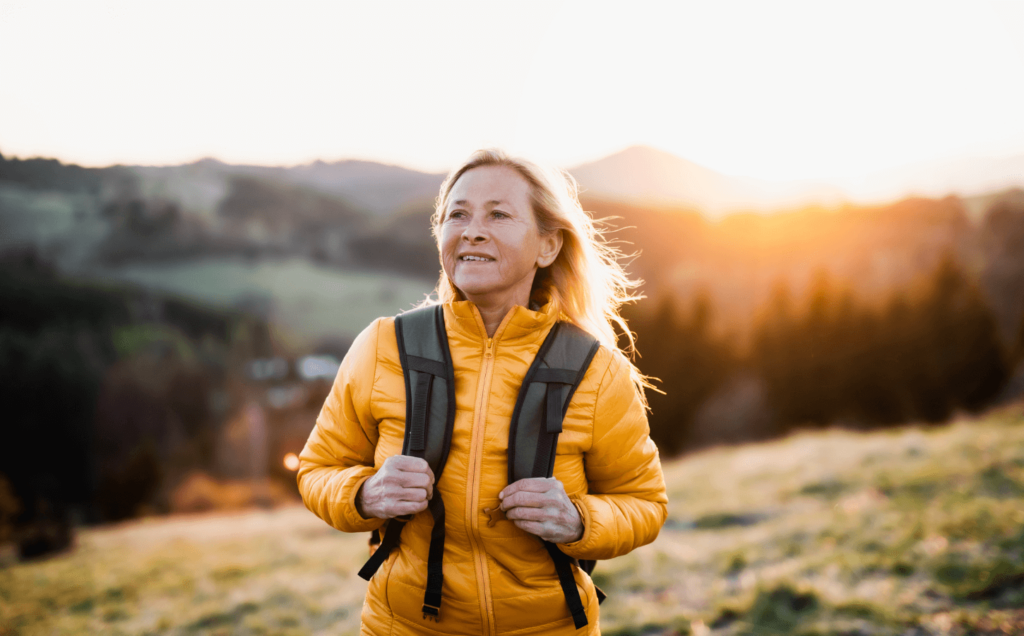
479	423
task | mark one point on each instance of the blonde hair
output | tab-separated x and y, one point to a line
586	282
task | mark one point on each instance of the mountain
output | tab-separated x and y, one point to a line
374	188
643	174
648	175
967	177
377	188
335	213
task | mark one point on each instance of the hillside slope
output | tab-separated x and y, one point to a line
911	531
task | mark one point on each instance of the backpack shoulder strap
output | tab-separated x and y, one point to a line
548	387
429	419
429	385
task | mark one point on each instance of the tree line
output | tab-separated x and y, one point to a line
924	353
105	390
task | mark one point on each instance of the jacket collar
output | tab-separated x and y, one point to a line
520	323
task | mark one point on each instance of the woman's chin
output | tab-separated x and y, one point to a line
477	297
471	288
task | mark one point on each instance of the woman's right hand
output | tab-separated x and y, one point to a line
402	486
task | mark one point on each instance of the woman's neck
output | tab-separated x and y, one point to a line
493	310
493	316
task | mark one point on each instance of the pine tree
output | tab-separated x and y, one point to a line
957	345
775	355
689	360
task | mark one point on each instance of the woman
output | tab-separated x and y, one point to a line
518	254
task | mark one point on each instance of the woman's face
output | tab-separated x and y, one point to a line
490	244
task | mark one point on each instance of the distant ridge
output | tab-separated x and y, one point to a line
377	188
965	177
649	175
635	175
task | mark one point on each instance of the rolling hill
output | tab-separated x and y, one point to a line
912	531
353	215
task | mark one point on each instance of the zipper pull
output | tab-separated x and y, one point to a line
489	348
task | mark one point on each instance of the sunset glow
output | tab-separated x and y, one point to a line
781	90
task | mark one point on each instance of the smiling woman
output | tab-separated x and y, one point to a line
490	242
473	544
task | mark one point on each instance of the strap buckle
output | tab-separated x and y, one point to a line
431	612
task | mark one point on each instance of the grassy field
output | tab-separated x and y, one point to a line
64	226
912	531
308	301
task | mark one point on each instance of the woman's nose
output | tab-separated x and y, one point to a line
474	232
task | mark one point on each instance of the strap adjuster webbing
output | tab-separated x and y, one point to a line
563	567
435	560
380	555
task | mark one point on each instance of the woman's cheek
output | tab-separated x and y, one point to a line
447	262
448	245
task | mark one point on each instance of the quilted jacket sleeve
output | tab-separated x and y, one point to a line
338	456
626	504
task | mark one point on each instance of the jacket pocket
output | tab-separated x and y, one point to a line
377	608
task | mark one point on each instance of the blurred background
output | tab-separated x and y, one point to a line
201	204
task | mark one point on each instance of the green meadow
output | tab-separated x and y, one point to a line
911	531
299	297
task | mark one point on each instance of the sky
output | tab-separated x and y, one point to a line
776	90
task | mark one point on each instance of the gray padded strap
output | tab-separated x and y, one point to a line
429	385
544	397
429	418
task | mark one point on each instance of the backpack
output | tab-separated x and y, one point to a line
544	396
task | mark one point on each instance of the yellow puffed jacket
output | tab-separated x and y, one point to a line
498	579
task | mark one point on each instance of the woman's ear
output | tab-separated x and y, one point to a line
550	246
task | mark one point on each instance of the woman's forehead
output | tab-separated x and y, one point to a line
489	186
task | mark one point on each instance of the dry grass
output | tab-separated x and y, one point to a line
276	572
911	531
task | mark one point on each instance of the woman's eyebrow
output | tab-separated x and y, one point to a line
491	202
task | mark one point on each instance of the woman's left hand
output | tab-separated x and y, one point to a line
541	507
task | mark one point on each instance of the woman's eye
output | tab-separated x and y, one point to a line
498	214
456	214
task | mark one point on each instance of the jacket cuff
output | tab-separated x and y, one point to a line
581	507
354	521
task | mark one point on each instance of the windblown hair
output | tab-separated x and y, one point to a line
586	281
